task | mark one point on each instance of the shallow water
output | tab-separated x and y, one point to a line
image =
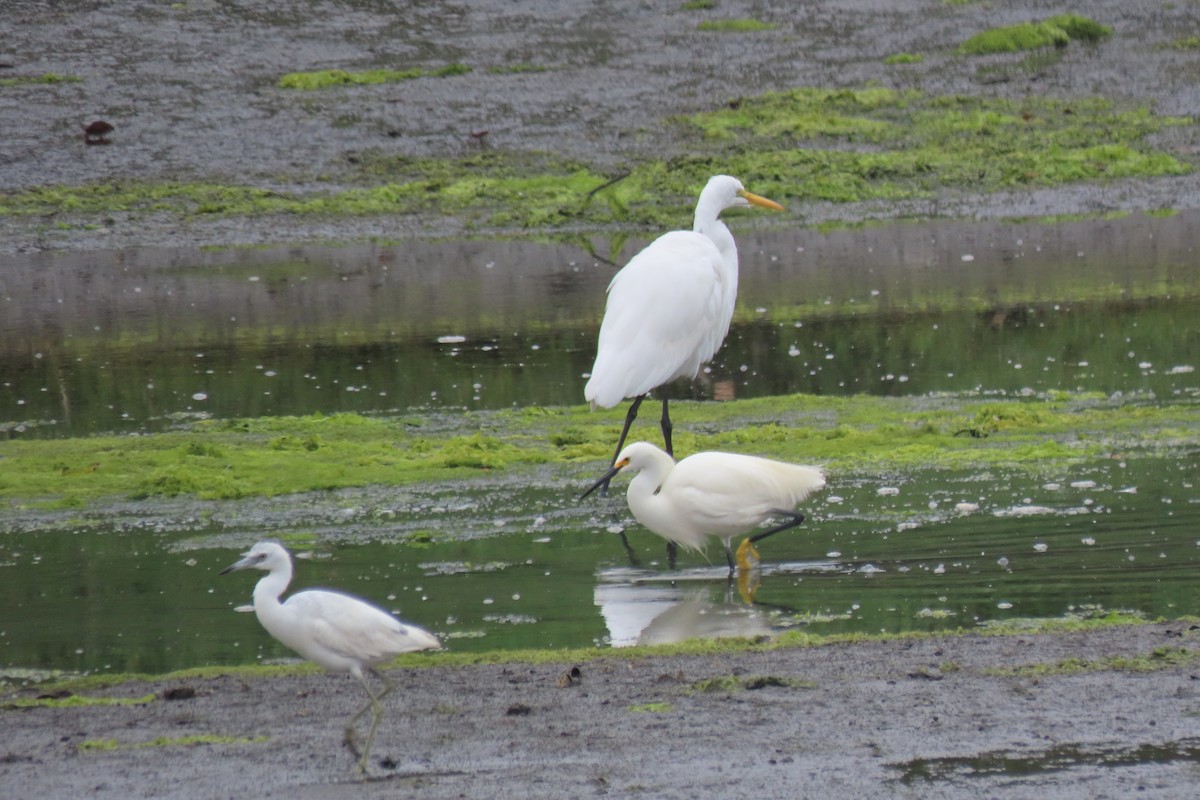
136	341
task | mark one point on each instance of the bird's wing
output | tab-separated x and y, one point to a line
662	319
354	628
736	492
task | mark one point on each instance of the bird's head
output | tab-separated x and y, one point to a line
726	191
266	555
636	457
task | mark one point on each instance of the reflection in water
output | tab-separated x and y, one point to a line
132	340
637	612
642	607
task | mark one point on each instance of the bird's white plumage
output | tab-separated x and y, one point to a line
669	308
711	494
668	301
335	630
340	632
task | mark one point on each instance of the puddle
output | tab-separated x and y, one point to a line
136	340
1055	759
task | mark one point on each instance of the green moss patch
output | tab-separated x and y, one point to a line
1158	659
47	78
843	145
326	78
875	143
77	701
100	745
283	455
1053	32
727	684
652	708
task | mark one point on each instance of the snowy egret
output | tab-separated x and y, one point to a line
337	631
669	308
712	494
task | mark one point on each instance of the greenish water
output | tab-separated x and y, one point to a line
516	560
536	568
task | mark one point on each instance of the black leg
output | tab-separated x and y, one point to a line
746	550
672	549
629	552
729	558
629	418
666	424
796	519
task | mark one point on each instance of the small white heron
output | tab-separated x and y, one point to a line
712	494
337	631
669	308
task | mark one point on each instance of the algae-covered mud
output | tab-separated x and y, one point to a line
341	121
1001	386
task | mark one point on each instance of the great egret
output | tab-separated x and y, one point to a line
712	494
337	631
669	308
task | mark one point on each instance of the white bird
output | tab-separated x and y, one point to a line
669	308
712	494
334	630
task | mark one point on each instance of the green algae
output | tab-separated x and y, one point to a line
574	656
904	58
78	701
47	78
1056	31
837	145
875	143
1185	43
324	79
729	684
108	745
1161	658
652	708
271	456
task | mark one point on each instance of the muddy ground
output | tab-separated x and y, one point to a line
191	89
920	719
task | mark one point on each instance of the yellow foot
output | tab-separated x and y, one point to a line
747	556
748	575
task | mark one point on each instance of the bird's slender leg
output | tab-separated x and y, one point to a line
666	424
746	549
373	704
388	686
729	559
672	548
796	519
629	551
629	418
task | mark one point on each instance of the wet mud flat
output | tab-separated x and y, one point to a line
192	90
1106	713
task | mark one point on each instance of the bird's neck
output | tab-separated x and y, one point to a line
643	489
270	587
719	234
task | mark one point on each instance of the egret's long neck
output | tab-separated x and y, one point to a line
270	587
643	489
708	223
